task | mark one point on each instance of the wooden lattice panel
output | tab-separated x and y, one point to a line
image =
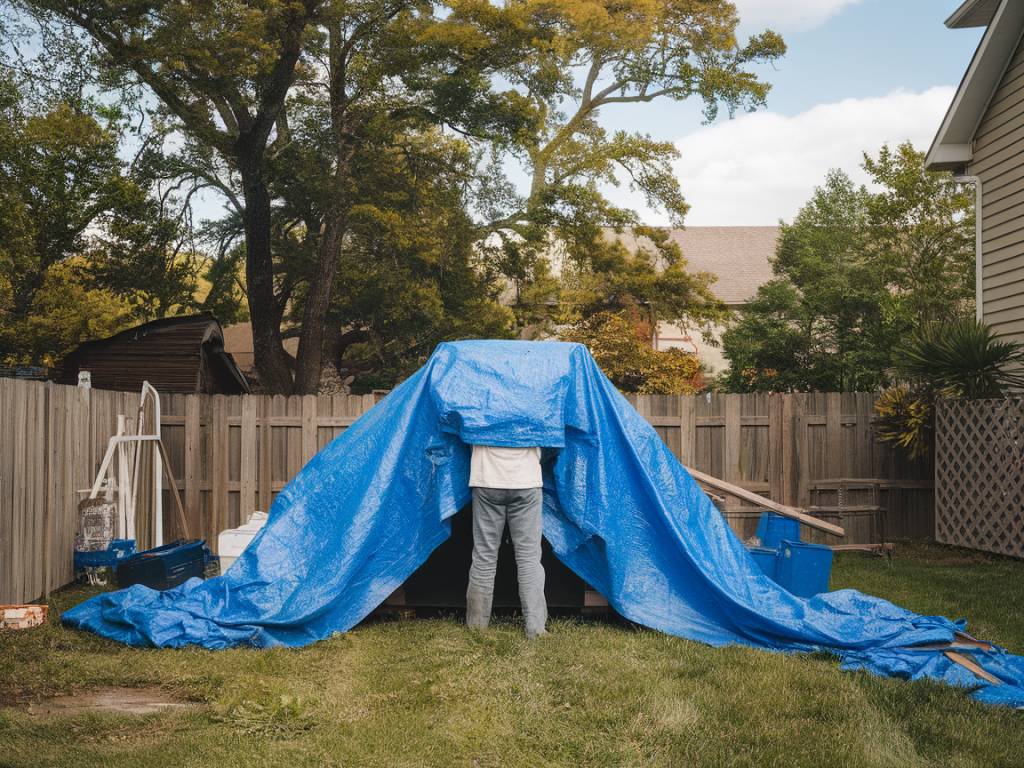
979	475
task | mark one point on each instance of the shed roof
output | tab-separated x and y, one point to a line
951	149
175	354
739	256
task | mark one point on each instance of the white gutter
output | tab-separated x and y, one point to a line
976	181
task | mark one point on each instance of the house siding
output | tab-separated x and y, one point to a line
998	160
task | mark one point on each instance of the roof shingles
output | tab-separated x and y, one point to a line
739	256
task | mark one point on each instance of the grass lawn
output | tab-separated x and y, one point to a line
429	692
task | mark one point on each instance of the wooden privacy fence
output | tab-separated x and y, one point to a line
979	474
232	455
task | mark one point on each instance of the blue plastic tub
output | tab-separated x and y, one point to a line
118	550
773	529
166	566
766	559
804	569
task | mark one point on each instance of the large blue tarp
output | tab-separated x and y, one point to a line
619	510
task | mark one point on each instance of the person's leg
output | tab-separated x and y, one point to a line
488	526
525	523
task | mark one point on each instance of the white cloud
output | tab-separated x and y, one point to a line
789	14
762	166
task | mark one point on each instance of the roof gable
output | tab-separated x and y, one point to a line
951	149
973	13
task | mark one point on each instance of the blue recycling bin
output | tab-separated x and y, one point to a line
772	529
766	559
803	569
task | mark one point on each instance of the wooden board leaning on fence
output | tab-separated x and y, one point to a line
760	501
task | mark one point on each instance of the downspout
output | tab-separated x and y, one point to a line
976	181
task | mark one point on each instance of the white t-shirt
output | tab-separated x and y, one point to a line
507	468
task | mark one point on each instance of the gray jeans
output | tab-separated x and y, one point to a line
522	509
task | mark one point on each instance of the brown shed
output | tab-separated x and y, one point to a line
174	354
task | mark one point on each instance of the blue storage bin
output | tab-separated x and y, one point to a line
772	529
803	569
166	566
118	550
766	559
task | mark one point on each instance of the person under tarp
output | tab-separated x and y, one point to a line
507	486
618	509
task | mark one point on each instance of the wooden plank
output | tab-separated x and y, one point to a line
309	427
265	454
801	451
732	444
247	471
967	662
193	448
833	434
53	415
687	429
788	462
761	501
218	469
776	473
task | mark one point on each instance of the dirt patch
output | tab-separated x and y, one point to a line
123	701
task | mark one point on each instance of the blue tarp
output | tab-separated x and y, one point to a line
619	510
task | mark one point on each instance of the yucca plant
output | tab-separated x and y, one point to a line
958	359
961	359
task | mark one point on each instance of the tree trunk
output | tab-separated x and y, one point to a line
318	299
271	360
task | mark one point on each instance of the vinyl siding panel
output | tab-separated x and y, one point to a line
1009	198
998	143
998	159
1004	280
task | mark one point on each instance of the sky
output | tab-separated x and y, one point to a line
857	74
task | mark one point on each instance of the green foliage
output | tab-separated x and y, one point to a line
961	359
622	347
89	243
631	52
904	418
958	359
66	310
855	272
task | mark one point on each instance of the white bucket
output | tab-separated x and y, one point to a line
232	542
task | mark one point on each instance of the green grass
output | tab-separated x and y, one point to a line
425	693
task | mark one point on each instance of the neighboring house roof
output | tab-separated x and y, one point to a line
739	256
952	147
174	354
